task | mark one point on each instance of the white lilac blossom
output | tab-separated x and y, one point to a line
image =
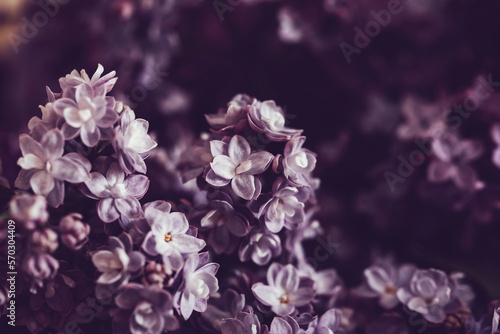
236	112
118	194
429	293
199	283
29	209
268	118
224	221
44	168
243	323
74	232
118	263
285	209
132	142
75	79
298	162
453	161
144	310
169	237
284	292
260	247
383	279
235	163
87	114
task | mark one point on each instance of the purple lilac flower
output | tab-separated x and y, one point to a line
284	291
236	164
328	323
285	209
44	168
423	120
40	268
226	306
260	247
326	282
198	285
168	237
383	279
298	162
132	142
429	293
243	323
453	159
236	112
224	221
495	135
118	194
88	114
29	209
74	232
43	240
144	310
268	118
118	263
75	79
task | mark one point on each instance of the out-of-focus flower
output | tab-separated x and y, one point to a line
226	306
75	79
118	263
243	323
156	274
326	282
144	310
260	247
453	159
132	142
423	120
428	293
268	118
461	290
224	221
383	279
44	168
117	194
286	208
198	284
29	209
284	291
298	162
74	232
40	268
292	28
495	135
237	111
87	115
168	238
236	164
44	241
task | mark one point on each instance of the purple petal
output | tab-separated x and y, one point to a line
30	146
232	326
129	207
90	134
260	162
288	278
302	296
243	185
215	180
186	244
218	147
68	170
53	143
238	149
98	185
107	210
266	294
136	185
223	166
42	182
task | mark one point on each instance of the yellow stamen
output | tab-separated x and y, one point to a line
284	299
168	237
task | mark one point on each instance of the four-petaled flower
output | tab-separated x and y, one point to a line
44	168
298	162
268	118
284	291
235	163
286	208
117	194
168	237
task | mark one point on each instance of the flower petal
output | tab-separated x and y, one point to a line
129	207
107	211
187	244
260	162
42	182
243	185
215	180
238	149
223	166
136	185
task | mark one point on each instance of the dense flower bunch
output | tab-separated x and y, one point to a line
230	259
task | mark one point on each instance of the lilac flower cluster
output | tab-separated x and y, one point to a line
230	258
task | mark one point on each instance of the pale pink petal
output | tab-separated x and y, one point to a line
223	166
238	149
243	185
215	180
107	210
42	182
